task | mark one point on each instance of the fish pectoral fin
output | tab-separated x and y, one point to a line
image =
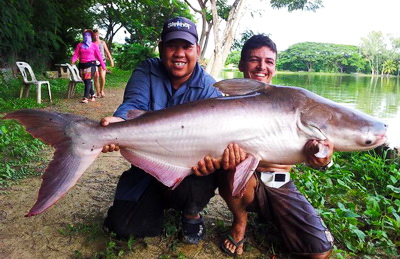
133	114
310	130
243	173
168	174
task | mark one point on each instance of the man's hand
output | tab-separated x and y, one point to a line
105	122
232	156
313	147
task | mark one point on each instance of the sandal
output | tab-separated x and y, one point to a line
236	244
193	230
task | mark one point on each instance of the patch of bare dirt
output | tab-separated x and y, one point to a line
43	236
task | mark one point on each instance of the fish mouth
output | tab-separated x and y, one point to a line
377	141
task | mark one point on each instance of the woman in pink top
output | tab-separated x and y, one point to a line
87	53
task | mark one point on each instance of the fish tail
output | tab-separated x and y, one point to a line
71	157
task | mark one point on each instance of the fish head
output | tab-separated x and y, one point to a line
348	129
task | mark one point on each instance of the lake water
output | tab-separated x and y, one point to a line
376	96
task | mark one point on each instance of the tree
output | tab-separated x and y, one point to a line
389	67
224	42
144	19
302	56
41	32
373	47
345	58
233	58
244	36
207	20
395	43
108	19
314	56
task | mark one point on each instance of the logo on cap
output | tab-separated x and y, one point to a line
179	24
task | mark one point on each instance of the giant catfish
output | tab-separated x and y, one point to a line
271	123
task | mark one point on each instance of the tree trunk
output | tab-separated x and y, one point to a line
205	27
223	44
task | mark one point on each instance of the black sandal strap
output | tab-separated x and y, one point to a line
236	244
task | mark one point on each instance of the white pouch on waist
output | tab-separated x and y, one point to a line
275	179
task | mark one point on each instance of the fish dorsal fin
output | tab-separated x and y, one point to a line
133	114
240	86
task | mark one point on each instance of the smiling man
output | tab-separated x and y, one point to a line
277	201
158	83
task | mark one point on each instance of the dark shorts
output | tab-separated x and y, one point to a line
143	215
302	229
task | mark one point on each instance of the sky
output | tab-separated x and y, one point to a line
339	21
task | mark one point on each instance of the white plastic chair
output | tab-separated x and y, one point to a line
74	78
26	70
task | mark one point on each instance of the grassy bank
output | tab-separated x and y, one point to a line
359	200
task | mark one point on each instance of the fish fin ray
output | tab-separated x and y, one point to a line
240	86
310	130
47	126
133	114
243	173
168	174
61	175
69	161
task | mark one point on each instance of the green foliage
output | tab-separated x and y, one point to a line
40	31
297	4
19	152
131	55
374	49
244	36
223	9
233	58
358	200
321	57
389	66
144	19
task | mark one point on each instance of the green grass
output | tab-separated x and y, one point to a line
359	200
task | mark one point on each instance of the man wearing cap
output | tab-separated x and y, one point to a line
158	83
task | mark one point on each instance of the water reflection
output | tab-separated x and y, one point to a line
377	96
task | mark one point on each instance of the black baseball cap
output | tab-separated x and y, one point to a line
179	28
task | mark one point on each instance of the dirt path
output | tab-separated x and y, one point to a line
71	228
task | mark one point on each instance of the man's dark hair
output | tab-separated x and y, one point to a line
255	42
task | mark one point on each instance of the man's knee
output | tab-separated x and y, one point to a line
125	221
193	194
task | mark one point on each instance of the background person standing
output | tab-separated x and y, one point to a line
87	52
100	77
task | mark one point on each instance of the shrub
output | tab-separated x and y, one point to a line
131	55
